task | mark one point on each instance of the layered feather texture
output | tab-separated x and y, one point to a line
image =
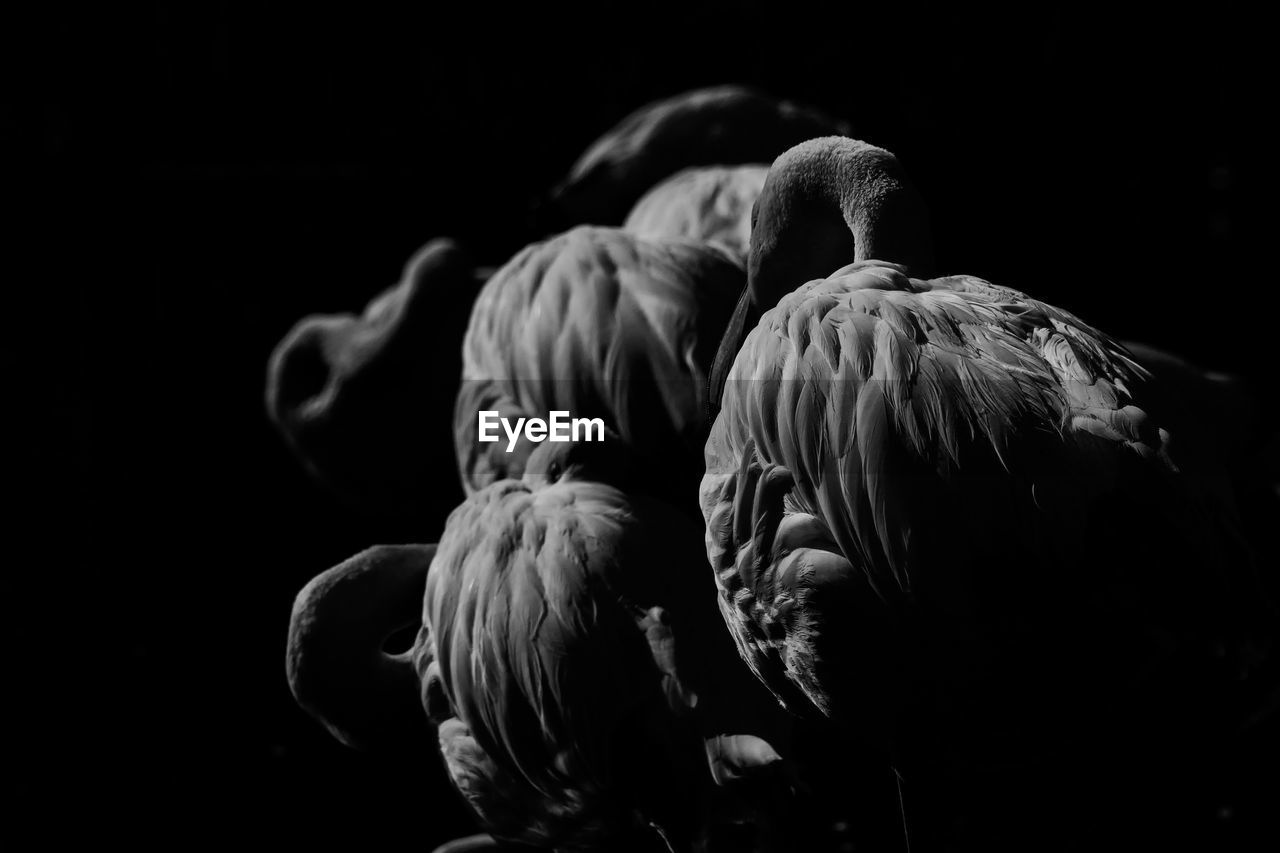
598	323
948	488
572	655
705	205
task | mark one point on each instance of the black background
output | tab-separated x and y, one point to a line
214	171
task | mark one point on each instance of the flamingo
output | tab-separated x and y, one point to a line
620	323
623	323
598	322
583	689
336	663
955	521
655	308
357	398
715	126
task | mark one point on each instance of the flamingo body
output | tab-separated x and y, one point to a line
549	659
938	509
705	205
599	323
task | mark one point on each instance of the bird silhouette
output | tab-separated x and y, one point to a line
597	322
952	519
357	398
714	126
337	665
363	402
585	693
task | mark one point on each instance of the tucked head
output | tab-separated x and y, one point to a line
829	202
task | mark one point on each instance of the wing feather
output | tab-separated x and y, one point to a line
599	323
937	435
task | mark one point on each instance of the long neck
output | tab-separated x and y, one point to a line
335	662
826	203
884	214
829	202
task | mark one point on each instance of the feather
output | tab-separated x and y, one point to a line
938	397
571	645
599	323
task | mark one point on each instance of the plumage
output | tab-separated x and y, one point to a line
961	378
574	662
356	398
705	205
599	323
821	207
957	520
621	325
570	655
583	691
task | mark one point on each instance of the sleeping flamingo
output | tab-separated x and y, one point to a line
355	397
597	321
337	667
954	520
358	399
585	693
603	324
623	324
715	126
886	194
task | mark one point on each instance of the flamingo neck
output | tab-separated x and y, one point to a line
884	214
830	202
826	203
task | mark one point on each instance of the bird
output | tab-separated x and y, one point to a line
363	402
597	320
356	398
1220	413
555	655
954	520
703	203
336	663
570	658
599	323
826	222
622	323
725	125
